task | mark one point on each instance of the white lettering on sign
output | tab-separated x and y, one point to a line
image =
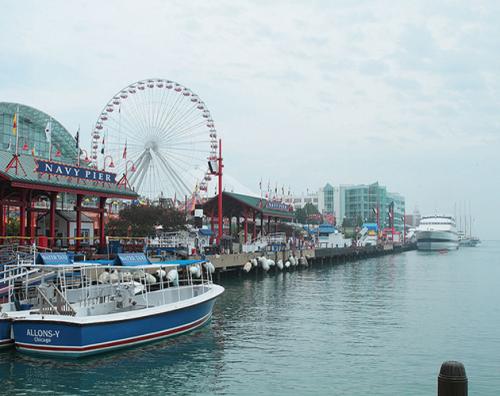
43	336
74	171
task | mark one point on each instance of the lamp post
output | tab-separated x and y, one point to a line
218	172
111	164
132	168
86	159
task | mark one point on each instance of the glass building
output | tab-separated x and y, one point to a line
360	203
32	138
326	199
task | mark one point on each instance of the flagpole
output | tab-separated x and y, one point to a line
78	146
17	131
50	139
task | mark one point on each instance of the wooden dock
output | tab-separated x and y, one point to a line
233	263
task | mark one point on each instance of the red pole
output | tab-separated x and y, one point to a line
254	233
102	236
404	226
2	222
22	219
33	217
78	220
52	227
246	226
392	219
219	201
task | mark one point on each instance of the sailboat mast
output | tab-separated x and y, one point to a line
465	219
470	220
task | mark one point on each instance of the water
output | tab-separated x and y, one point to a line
380	327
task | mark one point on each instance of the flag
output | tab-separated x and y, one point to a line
124	156
374	211
14	125
260	184
48	132
77	138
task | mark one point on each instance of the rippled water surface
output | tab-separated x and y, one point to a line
379	327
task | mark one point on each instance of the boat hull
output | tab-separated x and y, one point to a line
69	339
5	333
437	240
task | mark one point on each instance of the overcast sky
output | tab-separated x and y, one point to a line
302	93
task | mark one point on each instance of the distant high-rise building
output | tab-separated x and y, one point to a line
326	199
360	203
355	203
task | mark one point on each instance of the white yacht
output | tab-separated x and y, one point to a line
437	233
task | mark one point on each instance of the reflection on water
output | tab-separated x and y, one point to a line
380	326
163	367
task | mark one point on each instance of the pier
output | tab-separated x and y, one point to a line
231	264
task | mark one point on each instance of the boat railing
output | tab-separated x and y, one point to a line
61	307
66	290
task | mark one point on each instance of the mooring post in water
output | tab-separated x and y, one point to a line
452	380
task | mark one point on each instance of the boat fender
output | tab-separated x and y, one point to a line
104	277
287	264
150	278
279	264
247	267
254	262
195	271
113	277
173	276
138	275
210	267
265	265
127	276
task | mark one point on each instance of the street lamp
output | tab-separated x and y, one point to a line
86	159
111	164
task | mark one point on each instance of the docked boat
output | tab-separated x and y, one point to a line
99	308
330	237
469	241
437	233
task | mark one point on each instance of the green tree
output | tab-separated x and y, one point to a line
140	221
300	215
13	226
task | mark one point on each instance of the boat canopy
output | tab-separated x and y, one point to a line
180	263
121	260
327	229
53	258
370	226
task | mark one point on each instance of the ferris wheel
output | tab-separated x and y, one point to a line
158	133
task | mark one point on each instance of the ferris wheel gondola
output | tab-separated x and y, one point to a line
166	131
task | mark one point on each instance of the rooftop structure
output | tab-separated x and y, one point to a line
44	164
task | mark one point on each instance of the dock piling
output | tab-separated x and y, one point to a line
452	380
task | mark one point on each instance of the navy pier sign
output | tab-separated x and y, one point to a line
277	205
59	169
